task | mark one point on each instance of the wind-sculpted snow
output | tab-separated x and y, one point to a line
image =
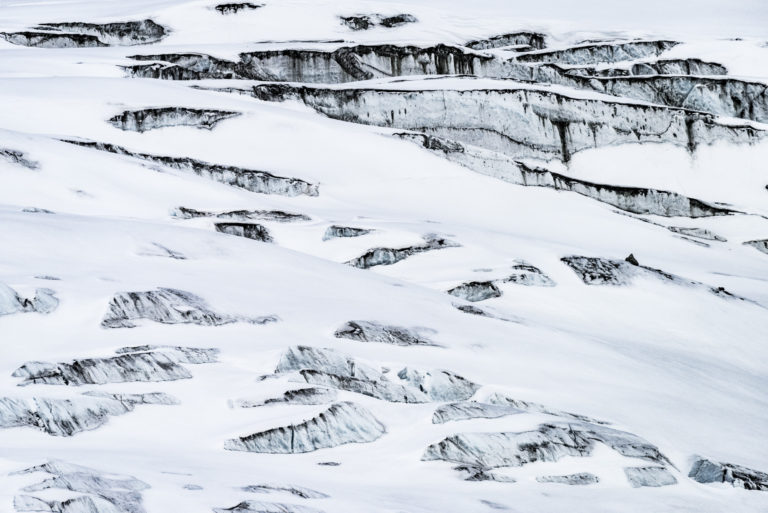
298	491
248	179
388	256
18	157
135	364
369	21
148	119
369	331
481	452
267	507
637	200
341	424
649	476
326	367
168	306
253	231
105	492
310	396
709	471
518	120
476	291
265	215
234	8
66	417
124	33
600	52
580	479
44	301
760	245
523	40
336	231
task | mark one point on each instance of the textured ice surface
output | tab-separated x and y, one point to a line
342	423
709	471
148	119
369	331
649	476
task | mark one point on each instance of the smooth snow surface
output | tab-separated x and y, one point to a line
519	289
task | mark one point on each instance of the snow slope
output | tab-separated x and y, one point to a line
646	364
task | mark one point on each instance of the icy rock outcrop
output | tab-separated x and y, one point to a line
298	491
164	305
342	423
18	157
472	410
51	39
500	399
124	33
326	367
143	366
44	301
368	331
709	471
596	53
476	291
66	417
519	120
369	21
389	256
580	479
698	233
522	40
264	215
181	354
148	119
253	231
106	492
267	507
234	8
760	245
186	66
529	275
649	476
695	67
336	231
307	396
479	453
248	179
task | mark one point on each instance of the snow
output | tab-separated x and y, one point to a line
674	365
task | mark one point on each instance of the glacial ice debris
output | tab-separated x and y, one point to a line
529	275
267	507
760	245
578	479
336	231
649	476
705	470
521	40
18	157
340	424
698	233
253	231
370	331
476	291
237	215
234	8
65	417
248	179
369	21
104	492
122	33
388	256
298	491
480	453
44	301
148	119
51	39
472	410
164	305
133	364
326	367
305	396
595	53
